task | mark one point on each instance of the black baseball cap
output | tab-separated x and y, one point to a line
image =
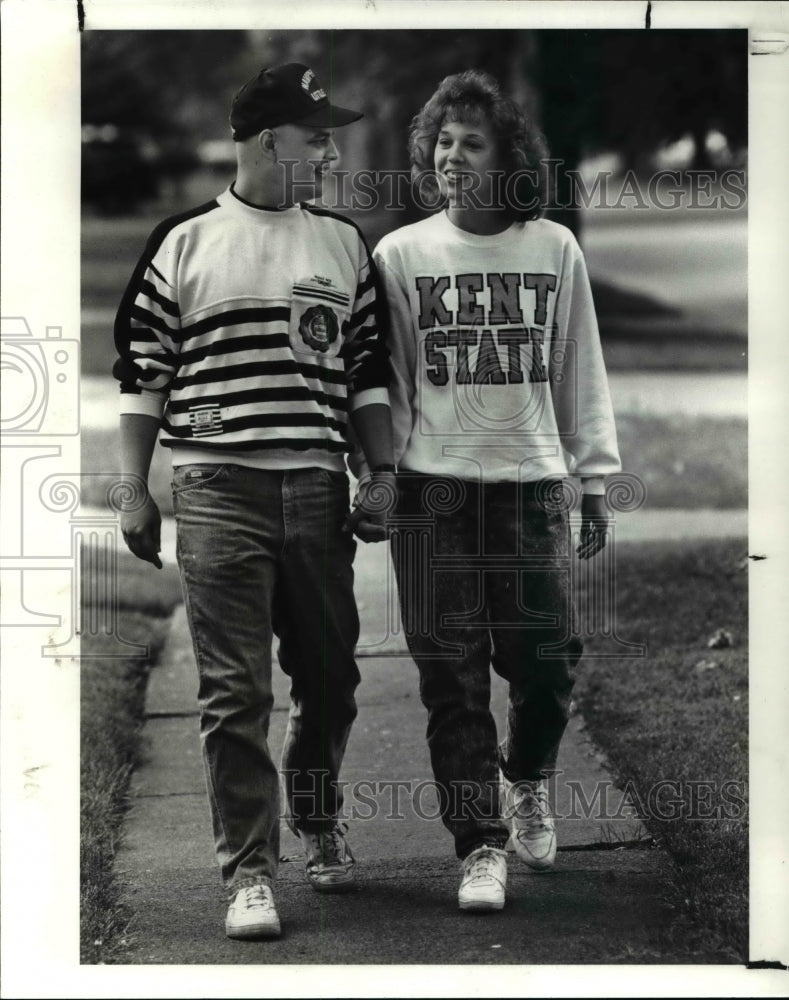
282	95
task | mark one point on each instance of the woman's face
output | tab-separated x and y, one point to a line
465	156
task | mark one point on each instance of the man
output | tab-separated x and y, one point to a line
249	339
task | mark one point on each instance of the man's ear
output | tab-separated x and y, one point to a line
267	140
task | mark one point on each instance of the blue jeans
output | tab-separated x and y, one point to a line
262	553
483	576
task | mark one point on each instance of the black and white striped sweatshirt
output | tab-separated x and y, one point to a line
252	332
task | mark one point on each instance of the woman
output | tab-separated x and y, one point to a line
499	393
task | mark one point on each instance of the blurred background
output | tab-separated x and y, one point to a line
670	289
670	286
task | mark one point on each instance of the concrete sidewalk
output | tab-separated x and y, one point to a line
608	899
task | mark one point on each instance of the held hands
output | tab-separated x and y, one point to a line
141	530
594	525
373	504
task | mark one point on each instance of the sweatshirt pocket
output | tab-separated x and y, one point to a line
318	312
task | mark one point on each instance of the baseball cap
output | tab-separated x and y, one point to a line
281	95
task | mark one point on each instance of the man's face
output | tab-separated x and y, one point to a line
306	154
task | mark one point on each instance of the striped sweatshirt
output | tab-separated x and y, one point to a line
251	333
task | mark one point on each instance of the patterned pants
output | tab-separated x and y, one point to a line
483	574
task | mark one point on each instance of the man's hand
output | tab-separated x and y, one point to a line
142	530
594	525
373	504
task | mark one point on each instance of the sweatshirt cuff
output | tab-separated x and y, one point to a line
148	403
379	394
593	485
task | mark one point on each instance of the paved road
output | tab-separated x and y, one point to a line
696	263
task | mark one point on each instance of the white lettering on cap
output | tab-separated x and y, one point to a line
306	80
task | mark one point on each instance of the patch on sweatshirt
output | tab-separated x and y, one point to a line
205	419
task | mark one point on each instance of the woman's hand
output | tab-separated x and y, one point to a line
374	502
594	525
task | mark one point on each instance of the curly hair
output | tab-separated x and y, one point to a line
474	96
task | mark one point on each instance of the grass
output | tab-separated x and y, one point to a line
665	718
112	708
684	462
687	462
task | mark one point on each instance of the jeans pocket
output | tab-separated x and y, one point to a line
194	477
335	479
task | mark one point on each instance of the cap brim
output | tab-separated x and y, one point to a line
330	117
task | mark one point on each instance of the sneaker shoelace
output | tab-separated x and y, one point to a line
531	806
329	847
481	865
333	849
256	897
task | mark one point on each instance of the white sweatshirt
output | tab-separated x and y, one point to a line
498	370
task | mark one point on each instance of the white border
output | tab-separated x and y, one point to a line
40	280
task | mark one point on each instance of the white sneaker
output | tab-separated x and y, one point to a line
484	880
525	808
330	863
252	913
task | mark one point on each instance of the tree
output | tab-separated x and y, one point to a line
633	91
168	85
